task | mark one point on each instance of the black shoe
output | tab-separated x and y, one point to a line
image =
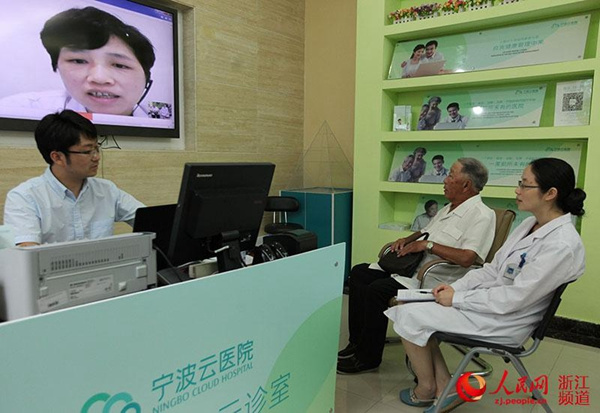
353	365
347	352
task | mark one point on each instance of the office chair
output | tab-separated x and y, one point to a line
509	354
504	220
280	206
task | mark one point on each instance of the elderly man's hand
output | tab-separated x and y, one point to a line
415	246
398	245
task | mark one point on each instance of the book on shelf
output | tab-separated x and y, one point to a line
573	102
402	118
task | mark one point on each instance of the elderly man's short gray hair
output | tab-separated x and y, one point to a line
475	171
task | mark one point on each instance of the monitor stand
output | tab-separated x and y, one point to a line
229	256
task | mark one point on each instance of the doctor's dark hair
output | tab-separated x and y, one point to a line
556	173
60	131
90	28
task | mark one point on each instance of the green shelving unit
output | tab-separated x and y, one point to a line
377	201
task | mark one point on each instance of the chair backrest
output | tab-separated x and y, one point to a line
282	204
541	329
504	220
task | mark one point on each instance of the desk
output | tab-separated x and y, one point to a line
206	345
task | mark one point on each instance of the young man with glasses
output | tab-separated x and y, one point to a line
67	203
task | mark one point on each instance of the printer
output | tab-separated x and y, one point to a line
44	278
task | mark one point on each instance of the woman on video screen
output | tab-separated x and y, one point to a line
104	65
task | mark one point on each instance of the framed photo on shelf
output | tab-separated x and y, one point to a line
514	46
573	102
506	107
504	161
408	166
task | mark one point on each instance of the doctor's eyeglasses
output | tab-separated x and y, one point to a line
521	185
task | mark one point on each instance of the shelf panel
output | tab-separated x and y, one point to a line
558	133
525	11
496	77
504	192
413	188
389	235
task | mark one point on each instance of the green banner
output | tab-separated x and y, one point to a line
505	161
483	109
550	41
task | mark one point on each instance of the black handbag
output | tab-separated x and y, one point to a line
404	265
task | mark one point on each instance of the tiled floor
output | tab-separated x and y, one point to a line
377	392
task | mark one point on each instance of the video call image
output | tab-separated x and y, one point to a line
112	59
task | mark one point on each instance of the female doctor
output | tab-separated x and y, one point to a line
503	301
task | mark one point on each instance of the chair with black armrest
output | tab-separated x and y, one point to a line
280	206
504	220
452	272
509	354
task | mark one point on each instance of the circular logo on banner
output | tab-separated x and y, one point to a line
125	401
467	392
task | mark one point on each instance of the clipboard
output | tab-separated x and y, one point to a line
417	295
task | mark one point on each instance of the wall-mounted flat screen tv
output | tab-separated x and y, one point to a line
114	61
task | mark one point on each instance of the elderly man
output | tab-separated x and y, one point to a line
461	232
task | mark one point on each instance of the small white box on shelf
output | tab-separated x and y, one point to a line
402	118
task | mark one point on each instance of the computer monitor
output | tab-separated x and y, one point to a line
157	219
219	212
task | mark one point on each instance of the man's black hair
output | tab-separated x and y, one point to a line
440	157
60	131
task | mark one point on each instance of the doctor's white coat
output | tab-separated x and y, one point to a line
504	301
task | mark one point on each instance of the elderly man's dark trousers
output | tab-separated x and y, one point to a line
369	294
